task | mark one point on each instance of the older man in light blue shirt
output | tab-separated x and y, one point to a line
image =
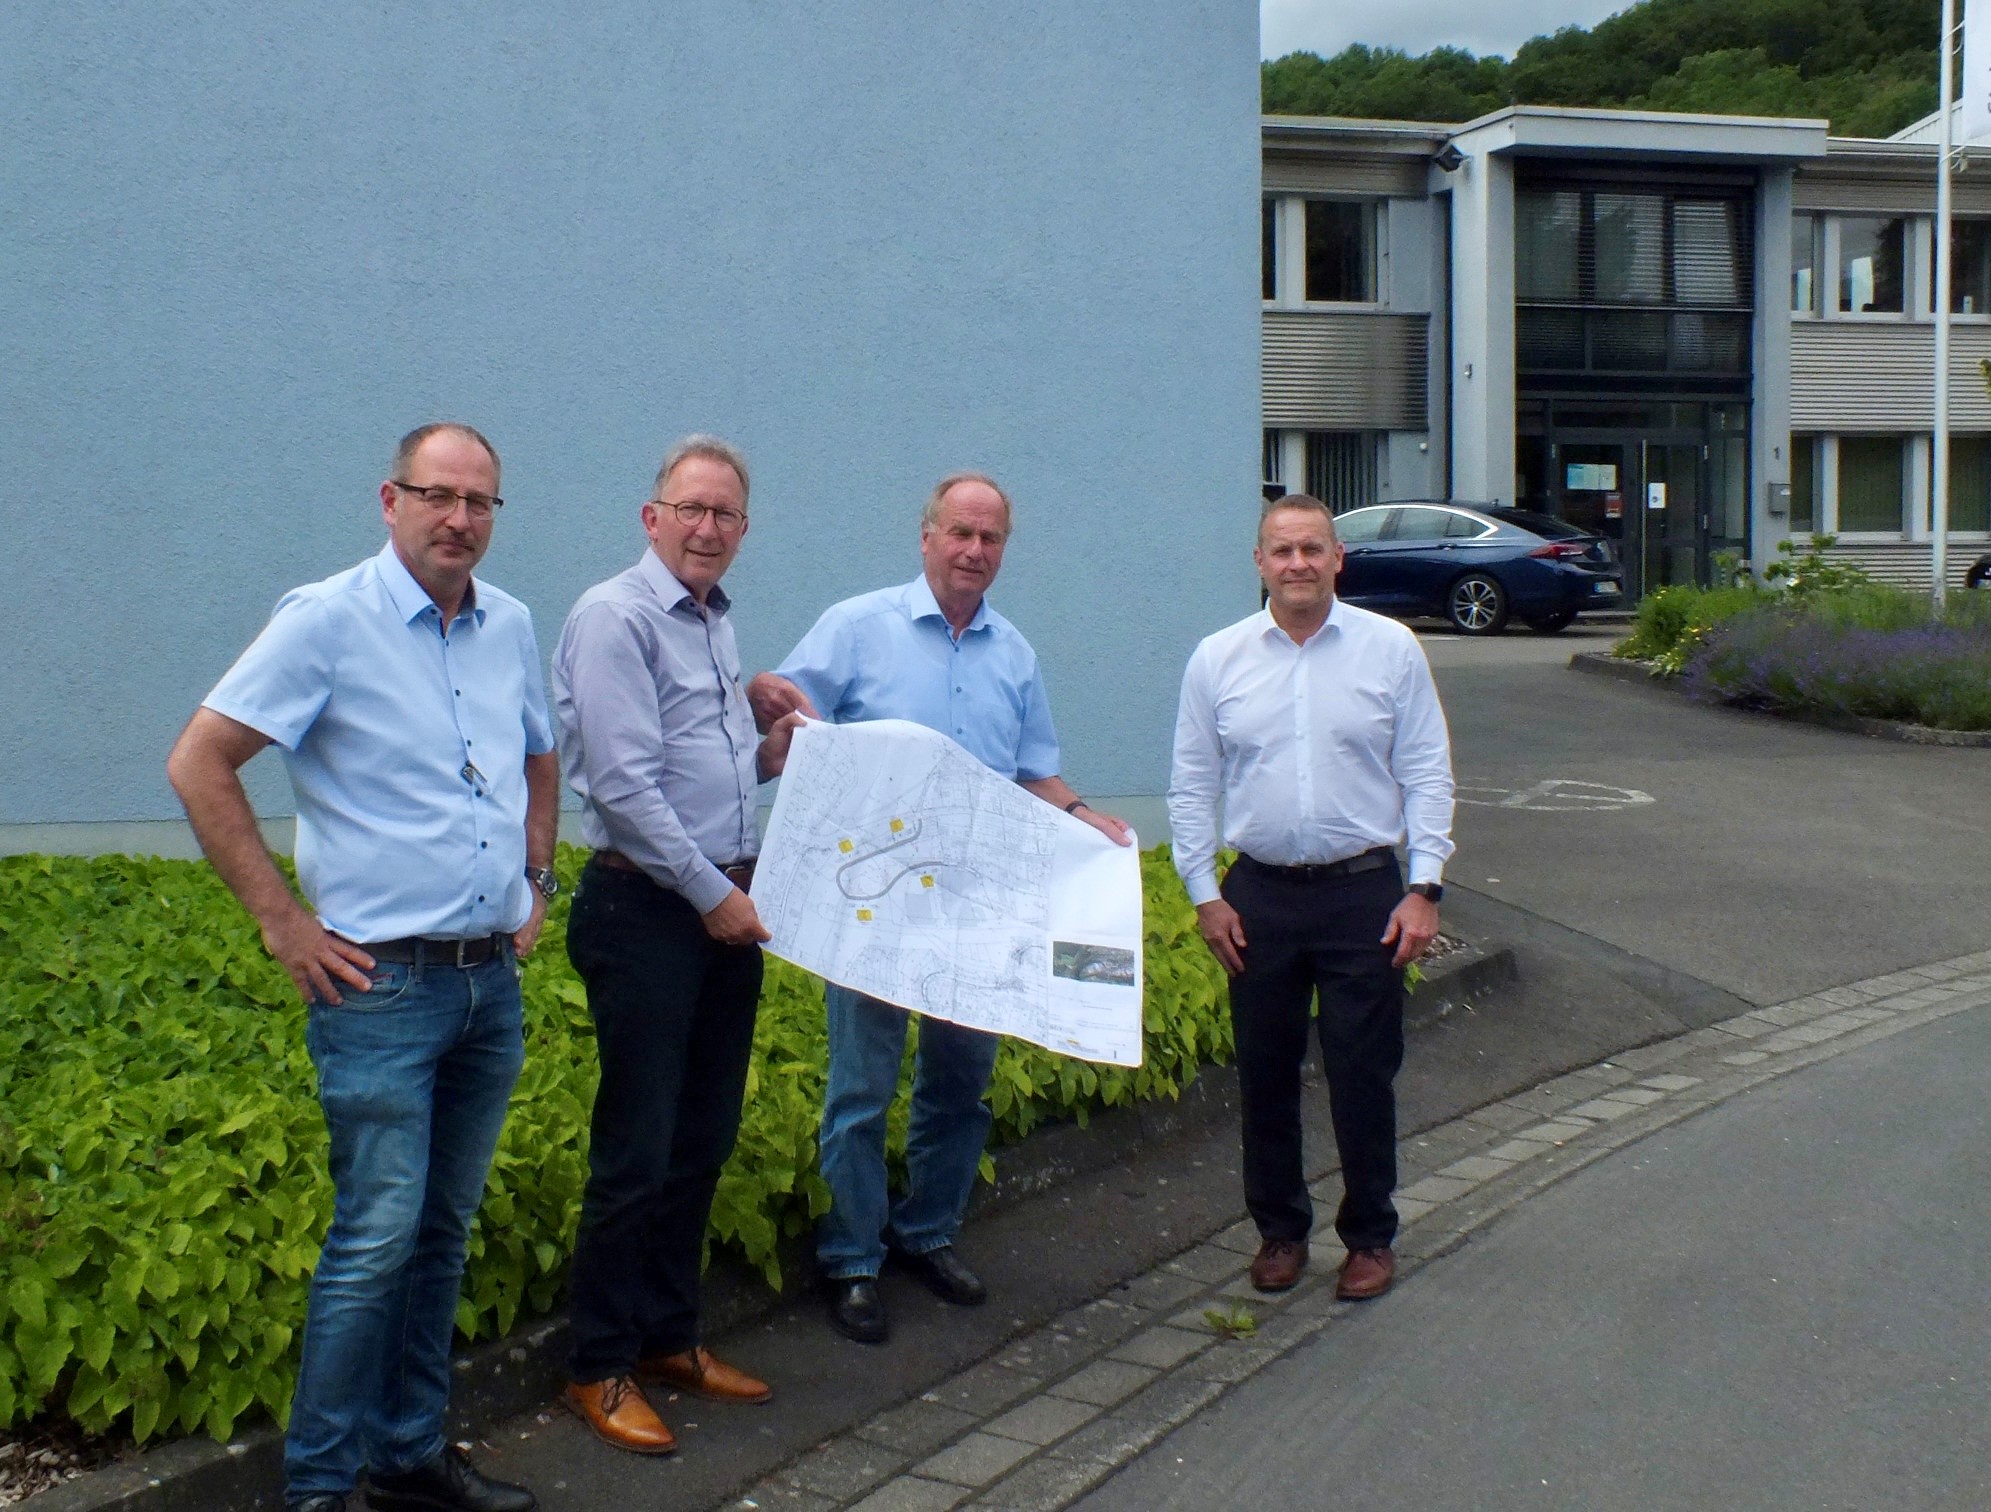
934	652
407	699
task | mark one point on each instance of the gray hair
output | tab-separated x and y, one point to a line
1304	502
713	450
930	515
412	443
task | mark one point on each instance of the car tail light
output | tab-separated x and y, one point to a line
1561	551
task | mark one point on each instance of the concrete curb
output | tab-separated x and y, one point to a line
504	1378
1599	665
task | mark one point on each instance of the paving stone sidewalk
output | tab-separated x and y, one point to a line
1058	1410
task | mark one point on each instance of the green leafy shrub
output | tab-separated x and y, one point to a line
1805	571
1670	622
162	1157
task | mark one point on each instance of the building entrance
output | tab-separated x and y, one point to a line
1666	484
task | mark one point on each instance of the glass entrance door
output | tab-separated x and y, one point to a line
1671	533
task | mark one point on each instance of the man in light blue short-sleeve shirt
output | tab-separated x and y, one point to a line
407	700
934	652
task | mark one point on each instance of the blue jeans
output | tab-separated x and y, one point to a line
944	1140
414	1077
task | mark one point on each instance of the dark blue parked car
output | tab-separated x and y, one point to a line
1475	567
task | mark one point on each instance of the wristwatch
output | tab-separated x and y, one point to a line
1431	892
544	878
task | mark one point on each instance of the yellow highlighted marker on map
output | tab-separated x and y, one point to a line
897	825
926	881
845	846
864	916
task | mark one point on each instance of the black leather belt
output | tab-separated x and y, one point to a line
739	873
1369	860
417	950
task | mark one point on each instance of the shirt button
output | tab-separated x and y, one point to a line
483	845
480	897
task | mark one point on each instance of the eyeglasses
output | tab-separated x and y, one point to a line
444	500
725	518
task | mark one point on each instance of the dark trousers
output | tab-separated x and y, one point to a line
674	1024
1308	936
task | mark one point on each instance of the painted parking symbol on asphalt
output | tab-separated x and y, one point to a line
1555	795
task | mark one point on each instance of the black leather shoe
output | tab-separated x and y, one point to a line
447	1483
320	1501
946	1277
856	1308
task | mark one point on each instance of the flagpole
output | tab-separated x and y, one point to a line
1939	492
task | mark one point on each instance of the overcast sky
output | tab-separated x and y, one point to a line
1417	26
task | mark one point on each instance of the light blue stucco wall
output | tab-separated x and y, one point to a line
244	245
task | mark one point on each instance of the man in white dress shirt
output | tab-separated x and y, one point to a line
1317	728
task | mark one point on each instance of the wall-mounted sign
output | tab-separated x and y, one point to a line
1614	505
1655	496
1590	477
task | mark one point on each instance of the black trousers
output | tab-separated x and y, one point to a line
1303	937
674	1025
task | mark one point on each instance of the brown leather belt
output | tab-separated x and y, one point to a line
419	950
1369	860
739	873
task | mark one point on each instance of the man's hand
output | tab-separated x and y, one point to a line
1223	932
316	958
1113	829
773	753
527	934
771	695
735	922
1413	926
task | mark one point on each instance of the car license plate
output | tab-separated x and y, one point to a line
1604	586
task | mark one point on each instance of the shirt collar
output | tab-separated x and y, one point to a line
1337	621
664	583
409	597
921	604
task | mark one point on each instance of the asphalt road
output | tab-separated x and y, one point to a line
1773	859
1776	1304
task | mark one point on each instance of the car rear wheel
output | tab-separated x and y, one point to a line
1548	624
1476	604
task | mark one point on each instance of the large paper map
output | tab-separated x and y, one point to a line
897	864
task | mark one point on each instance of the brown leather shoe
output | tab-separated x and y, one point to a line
1365	1274
1279	1264
620	1415
700	1372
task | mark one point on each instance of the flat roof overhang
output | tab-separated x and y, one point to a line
1646	135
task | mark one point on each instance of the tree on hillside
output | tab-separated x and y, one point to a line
1868	66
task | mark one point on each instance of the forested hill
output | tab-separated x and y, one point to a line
1868	66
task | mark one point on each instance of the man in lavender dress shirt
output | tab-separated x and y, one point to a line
657	739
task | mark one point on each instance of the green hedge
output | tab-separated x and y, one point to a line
162	1157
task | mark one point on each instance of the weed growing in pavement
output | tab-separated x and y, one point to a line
1235	1322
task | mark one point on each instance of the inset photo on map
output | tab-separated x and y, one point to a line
1092	963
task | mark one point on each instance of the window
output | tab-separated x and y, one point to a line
1421	524
1463	527
1804	485
1361	526
1970	483
1340	252
1341	468
1805	263
1870	263
1548	236
1970	268
1870	477
1269	247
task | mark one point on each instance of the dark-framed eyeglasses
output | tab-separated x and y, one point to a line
444	500
726	518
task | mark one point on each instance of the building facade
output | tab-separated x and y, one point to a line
1696	335
247	246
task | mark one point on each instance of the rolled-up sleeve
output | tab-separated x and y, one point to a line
612	746
1421	762
1195	784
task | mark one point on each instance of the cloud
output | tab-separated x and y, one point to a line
1417	26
